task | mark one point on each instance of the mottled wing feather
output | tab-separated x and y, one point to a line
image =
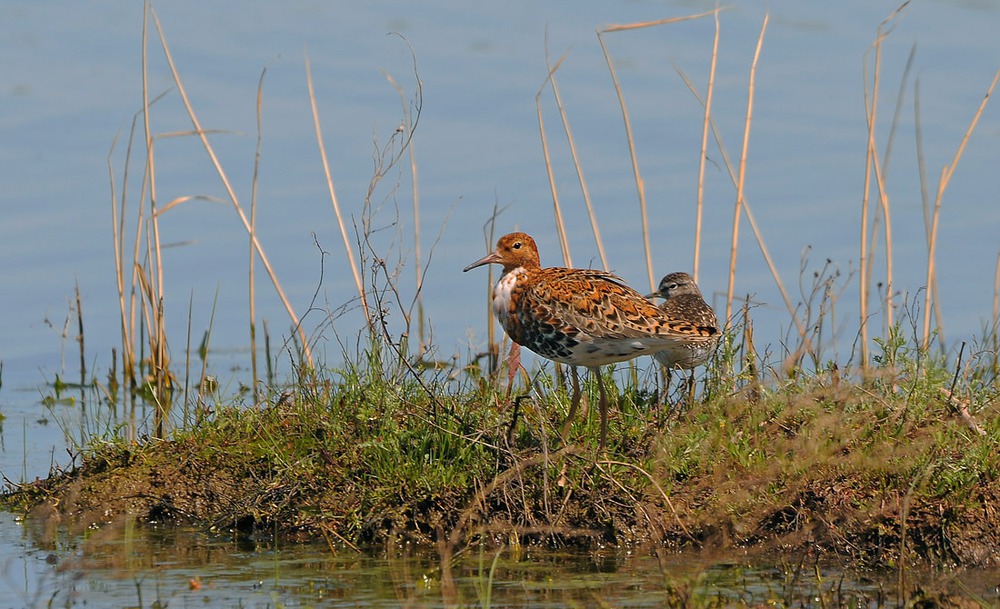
602	306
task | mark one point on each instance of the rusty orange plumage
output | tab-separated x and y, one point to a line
576	316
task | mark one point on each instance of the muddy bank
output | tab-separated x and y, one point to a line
565	497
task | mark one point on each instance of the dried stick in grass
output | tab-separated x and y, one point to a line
946	174
703	158
639	184
576	164
251	283
409	124
231	193
333	195
740	181
873	166
925	198
996	293
560	227
727	162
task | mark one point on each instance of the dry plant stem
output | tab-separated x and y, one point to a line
946	174
157	328
749	212
576	164
251	282
659	489
703	159
962	408
874	166
924	196
202	135
79	338
117	229
187	360
996	292
560	227
741	180
870	162
639	184
883	196
333	194
418	263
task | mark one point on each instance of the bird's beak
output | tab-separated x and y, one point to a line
487	259
652	296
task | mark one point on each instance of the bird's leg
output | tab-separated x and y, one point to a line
604	407
663	404
574	404
690	389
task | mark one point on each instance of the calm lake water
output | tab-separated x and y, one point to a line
182	568
71	84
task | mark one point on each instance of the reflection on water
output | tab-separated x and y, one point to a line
128	566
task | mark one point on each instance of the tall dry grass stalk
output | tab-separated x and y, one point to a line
883	195
576	160
333	194
251	279
751	219
996	293
946	173
709	124
703	158
925	198
557	208
741	179
140	277
873	167
637	175
230	192
159	363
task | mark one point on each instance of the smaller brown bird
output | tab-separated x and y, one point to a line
682	301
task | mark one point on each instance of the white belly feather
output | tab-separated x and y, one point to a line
501	295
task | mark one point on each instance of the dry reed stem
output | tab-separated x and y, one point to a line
741	180
409	124
665	21
703	159
333	195
874	166
924	196
639	184
996	293
881	178
117	230
864	278
231	193
946	174
417	256
727	162
251	279
659	489
576	164
560	226
157	331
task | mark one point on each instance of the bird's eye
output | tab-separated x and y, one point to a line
517	245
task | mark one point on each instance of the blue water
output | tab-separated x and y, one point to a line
70	85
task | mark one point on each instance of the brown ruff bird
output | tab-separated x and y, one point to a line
682	301
577	316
